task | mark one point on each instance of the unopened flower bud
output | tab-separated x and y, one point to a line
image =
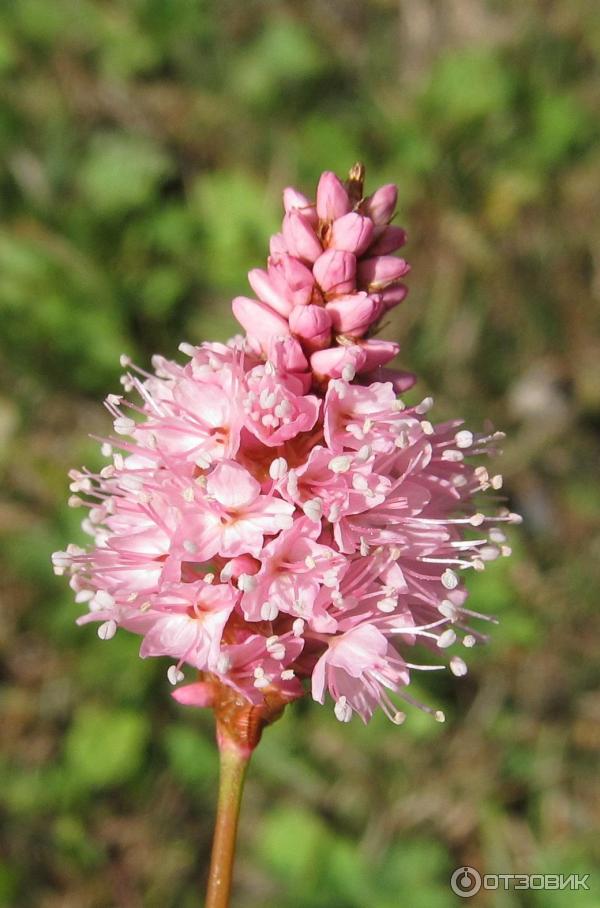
313	325
335	271
300	237
332	197
376	273
354	314
351	233
259	320
380	206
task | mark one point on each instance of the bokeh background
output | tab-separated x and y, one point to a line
143	147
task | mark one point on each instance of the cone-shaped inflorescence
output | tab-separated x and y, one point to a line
271	515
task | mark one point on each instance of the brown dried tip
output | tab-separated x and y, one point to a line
356	179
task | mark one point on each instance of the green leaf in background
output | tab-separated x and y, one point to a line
105	747
466	85
121	172
237	216
193	757
284	53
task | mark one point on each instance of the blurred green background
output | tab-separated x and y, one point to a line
143	147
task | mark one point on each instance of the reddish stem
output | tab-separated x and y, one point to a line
233	763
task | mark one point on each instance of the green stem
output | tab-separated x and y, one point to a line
233	764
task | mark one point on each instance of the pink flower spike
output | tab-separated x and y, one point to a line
380	206
259	320
332	197
335	271
355	314
270	513
313	325
300	237
351	233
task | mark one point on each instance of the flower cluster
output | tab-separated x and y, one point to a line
269	514
330	279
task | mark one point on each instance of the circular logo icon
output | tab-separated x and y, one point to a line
465	881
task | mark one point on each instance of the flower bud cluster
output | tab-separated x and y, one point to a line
330	278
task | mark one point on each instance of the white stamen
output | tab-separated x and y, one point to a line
190	546
464	438
359	482
107	630
287	675
427	427
458	666
298	627
313	509
348	372
334	513
448	610
447	638
278	468
102	600
449	579
469	641
246	583
439	716
123	425
175	675
268	611
386	605
452	456
330	579
496	535
343	710
340	464
425	405
223	664
276	648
